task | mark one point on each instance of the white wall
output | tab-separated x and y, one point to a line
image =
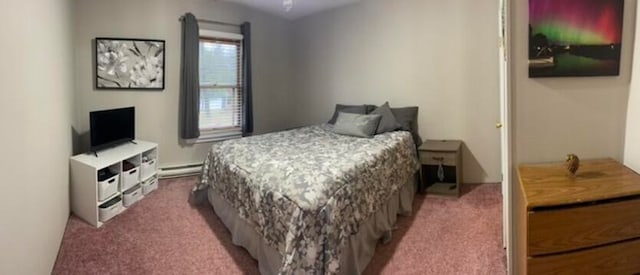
556	116
157	112
439	55
35	143
632	146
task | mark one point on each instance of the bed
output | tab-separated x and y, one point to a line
308	200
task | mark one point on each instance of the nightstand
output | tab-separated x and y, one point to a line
441	166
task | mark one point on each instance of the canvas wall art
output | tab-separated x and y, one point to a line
129	63
575	37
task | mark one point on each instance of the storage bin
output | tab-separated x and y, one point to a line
107	188
109	209
149	185
130	178
132	196
148	168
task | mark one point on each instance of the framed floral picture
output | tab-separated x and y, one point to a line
123	63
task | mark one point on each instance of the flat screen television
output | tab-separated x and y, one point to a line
111	127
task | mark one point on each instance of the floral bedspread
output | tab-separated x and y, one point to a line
305	191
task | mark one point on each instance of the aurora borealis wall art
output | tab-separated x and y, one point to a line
575	37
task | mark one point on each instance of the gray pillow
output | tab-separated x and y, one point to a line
370	108
408	119
354	109
388	121
356	124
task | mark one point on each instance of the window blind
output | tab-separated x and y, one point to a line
220	85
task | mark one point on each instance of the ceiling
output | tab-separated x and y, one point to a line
300	8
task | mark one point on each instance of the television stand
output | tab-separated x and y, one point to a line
103	187
133	141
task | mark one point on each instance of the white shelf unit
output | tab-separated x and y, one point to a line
87	189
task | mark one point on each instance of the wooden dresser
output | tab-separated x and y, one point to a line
589	224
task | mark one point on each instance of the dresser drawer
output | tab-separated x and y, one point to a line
436	158
560	230
619	258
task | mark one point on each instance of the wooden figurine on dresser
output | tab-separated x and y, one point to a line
573	163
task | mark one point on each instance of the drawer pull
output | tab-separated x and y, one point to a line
132	171
111	181
440	172
438	158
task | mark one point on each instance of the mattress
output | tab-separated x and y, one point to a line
306	191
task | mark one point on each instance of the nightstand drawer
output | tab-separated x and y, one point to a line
437	158
566	229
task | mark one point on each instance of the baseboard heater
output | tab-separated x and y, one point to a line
182	170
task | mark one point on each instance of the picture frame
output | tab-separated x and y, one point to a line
569	38
129	64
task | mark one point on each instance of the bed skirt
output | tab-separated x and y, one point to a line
359	249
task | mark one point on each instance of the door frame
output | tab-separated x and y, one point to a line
504	31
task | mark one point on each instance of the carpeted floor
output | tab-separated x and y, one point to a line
166	234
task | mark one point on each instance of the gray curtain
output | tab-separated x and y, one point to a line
189	78
247	103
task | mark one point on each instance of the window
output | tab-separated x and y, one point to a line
220	85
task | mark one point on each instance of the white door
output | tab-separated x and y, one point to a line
503	125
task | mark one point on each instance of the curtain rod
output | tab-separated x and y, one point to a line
213	22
